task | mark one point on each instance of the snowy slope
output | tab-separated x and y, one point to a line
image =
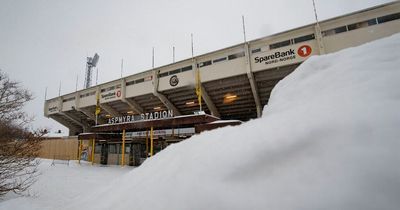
329	139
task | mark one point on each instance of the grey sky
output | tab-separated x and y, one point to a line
45	41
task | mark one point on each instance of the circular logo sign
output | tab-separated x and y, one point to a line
304	51
173	81
118	93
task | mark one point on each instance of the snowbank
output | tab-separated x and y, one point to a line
328	139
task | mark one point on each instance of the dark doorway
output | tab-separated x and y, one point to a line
104	154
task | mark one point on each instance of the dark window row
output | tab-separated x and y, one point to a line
176	71
280	44
304	38
87	94
388	18
256	50
110	88
229	57
361	24
205	63
219	60
236	55
69	99
288	42
139	80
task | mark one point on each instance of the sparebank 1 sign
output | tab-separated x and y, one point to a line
283	56
106	96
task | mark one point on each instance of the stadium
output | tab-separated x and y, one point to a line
128	119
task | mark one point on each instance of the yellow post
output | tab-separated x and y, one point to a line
198	88
151	141
80	151
93	147
123	148
147	143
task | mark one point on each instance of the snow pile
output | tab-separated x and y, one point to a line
329	139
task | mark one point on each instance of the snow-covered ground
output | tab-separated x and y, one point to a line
328	139
60	185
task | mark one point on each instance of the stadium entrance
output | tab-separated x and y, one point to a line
130	142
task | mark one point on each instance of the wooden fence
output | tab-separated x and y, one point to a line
65	148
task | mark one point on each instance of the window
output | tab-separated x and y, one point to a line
87	94
372	22
108	89
361	24
219	60
256	50
69	99
304	38
340	29
388	18
163	74
130	83
112	149
279	44
205	63
97	149
187	68
139	81
175	71
234	56
127	148
337	30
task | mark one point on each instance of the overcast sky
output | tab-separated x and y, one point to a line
43	42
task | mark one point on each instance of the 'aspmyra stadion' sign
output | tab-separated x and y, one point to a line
141	117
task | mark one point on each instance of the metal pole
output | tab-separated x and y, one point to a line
79	151
151	142
315	12
59	89
97	74
152	60
244	29
76	85
173	54
122	66
45	94
191	36
123	148
93	148
147	143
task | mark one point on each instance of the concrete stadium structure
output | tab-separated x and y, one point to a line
235	82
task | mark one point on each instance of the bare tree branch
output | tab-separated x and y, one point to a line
19	147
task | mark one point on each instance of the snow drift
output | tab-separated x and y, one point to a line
328	139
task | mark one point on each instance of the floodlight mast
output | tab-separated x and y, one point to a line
90	63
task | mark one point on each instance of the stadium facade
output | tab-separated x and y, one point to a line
233	83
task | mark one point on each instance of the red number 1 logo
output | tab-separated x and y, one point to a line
304	51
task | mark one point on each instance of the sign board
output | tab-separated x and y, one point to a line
283	56
106	96
144	116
